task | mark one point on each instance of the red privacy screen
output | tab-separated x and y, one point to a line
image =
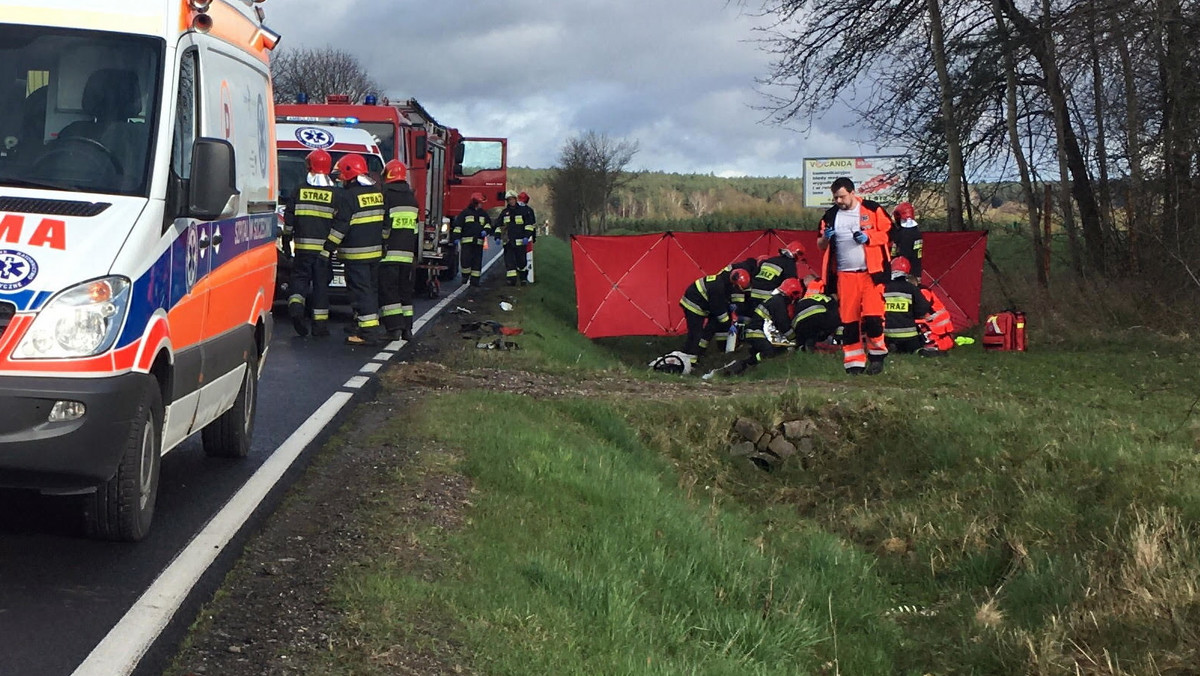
631	285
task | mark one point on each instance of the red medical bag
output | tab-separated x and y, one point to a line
1005	331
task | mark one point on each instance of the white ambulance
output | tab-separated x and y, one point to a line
137	257
294	143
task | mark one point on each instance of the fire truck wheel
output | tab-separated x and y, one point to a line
229	435
123	507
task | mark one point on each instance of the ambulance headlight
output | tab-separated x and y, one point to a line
80	322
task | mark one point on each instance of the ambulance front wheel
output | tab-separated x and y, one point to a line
123	507
229	435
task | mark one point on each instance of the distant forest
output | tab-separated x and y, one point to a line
656	201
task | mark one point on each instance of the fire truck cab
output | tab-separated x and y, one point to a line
444	167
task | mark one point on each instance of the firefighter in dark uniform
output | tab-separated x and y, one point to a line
531	217
906	237
769	328
307	218
904	304
706	305
398	267
357	237
773	271
816	316
750	265
472	227
514	228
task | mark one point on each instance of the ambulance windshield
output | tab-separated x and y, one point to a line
77	109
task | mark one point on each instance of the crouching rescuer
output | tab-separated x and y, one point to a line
854	236
905	305
307	219
769	328
706	308
396	270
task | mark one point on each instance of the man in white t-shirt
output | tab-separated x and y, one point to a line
854	236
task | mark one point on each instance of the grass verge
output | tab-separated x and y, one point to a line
979	514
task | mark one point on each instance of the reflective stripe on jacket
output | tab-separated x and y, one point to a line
361	215
708	297
904	305
876	223
400	234
472	226
309	217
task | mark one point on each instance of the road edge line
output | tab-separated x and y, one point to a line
124	646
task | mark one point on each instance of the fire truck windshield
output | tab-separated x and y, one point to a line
481	156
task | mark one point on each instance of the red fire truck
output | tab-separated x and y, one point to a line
444	167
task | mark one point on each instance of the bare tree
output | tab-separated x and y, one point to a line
590	169
954	182
319	73
701	202
1018	153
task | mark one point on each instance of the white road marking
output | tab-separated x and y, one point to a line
356	382
119	652
126	643
383	356
370	367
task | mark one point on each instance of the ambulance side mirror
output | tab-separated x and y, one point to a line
212	189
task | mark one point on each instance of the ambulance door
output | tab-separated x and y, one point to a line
188	304
236	109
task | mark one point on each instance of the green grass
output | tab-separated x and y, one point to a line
978	514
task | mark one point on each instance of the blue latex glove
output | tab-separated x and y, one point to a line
497	240
829	232
860	237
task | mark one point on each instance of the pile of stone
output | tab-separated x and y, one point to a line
770	448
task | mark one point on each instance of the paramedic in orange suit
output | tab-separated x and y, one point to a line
853	235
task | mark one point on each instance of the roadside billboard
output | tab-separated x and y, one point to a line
875	178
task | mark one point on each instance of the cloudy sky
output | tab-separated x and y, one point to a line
677	76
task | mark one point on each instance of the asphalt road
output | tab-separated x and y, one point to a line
60	594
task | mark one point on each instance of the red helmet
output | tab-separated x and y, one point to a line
319	162
905	210
793	249
477	197
740	278
395	171
901	265
351	166
792	288
524	196
762	259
